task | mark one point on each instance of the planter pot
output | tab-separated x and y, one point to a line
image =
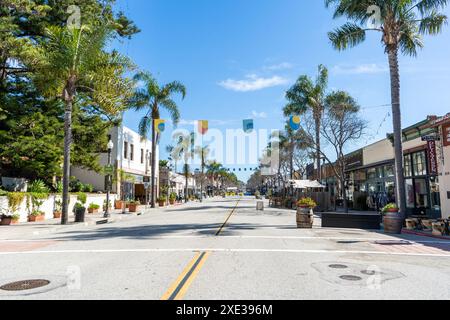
57	215
118	204
92	211
162	203
411	224
393	223
305	218
427	224
79	215
133	207
439	228
172	202
5	221
36	218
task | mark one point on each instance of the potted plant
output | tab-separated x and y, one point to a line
80	207
36	216
305	213
162	201
392	219
57	212
133	206
15	199
119	204
93	208
9	218
172	198
439	228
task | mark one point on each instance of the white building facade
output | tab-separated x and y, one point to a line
131	158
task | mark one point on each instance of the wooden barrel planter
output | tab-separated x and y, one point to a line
305	218
393	223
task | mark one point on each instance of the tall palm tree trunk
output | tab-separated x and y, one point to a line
153	204
291	160
66	167
186	173
319	169
396	117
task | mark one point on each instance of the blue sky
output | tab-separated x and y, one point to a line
238	57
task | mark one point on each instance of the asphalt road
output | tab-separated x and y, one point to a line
223	249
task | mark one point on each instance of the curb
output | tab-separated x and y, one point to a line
417	233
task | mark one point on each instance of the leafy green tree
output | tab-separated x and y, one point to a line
152	97
73	65
402	25
308	95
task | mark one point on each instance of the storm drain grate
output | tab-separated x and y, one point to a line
338	266
25	285
351	278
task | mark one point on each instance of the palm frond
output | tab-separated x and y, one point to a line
347	36
433	23
172	108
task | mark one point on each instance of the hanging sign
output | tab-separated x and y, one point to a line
294	122
432	158
248	125
160	125
203	127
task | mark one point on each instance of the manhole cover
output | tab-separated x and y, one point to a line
25	285
351	278
369	272
338	266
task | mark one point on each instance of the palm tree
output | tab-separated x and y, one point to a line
402	24
74	67
308	95
153	96
202	153
213	171
184	148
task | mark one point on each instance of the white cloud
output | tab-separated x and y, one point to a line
184	122
259	115
280	66
253	83
371	68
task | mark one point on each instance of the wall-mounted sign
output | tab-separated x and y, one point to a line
431	138
446	135
432	158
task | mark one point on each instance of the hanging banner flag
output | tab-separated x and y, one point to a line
160	125
203	127
294	122
248	126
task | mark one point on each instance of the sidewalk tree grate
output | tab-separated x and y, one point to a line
25	285
350	278
338	266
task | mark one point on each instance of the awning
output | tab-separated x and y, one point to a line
305	184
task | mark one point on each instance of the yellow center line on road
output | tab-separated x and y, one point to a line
179	288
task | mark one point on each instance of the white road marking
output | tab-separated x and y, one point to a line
223	250
258	237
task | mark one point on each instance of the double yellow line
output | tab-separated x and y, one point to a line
179	288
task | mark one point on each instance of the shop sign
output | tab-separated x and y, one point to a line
432	158
146	179
431	138
446	135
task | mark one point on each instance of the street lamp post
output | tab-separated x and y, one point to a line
108	187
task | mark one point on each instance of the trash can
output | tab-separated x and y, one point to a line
260	206
79	215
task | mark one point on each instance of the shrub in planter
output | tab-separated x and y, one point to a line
89	188
119	204
93	208
36	216
162	201
133	206
305	214
8	219
15	199
172	198
80	207
57	212
392	219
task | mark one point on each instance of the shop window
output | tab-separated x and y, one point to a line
389	171
371	174
419	164
142	156
421	193
410	201
407	166
125	150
